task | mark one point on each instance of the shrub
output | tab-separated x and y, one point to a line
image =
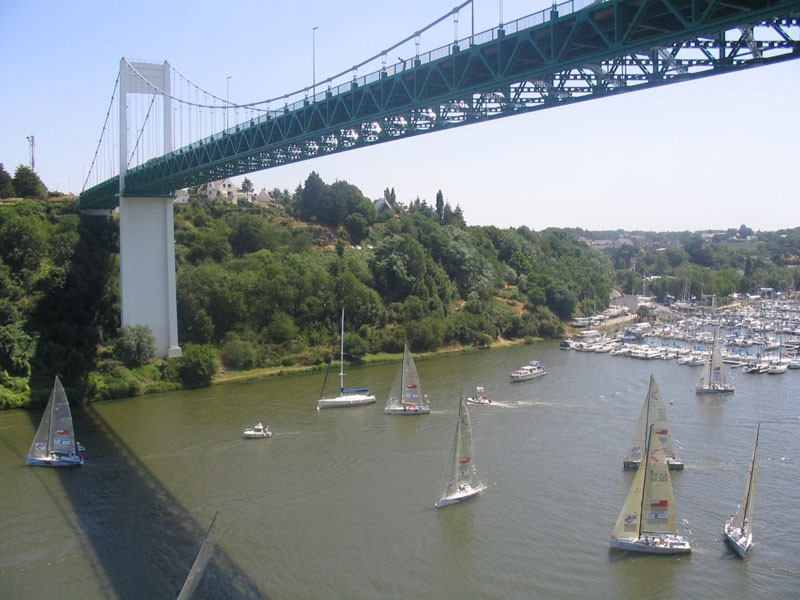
197	366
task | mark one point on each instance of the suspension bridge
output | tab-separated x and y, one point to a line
172	134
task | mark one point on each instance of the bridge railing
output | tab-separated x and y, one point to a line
307	94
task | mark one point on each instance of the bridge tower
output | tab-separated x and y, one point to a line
146	235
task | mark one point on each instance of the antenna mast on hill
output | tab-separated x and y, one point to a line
32	145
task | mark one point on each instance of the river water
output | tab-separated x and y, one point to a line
339	503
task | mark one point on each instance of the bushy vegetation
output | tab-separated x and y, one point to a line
260	287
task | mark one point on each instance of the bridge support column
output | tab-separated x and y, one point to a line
147	269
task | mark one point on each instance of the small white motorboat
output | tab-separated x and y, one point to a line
257	431
480	396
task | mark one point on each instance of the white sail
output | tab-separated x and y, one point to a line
739	528
654	412
460	480
713	378
406	396
648	519
54	443
658	502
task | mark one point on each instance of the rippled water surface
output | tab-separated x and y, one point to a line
339	503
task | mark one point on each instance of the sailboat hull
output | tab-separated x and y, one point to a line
632	465
714	389
407	409
740	541
347	400
459	496
55	461
665	544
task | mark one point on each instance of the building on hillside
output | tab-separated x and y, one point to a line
264	198
382	204
182	197
222	189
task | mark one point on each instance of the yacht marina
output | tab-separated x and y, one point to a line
763	337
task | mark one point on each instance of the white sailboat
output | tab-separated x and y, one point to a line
738	528
352	397
460	481
654	412
406	397
713	379
54	444
648	520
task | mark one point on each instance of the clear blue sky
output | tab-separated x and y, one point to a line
709	154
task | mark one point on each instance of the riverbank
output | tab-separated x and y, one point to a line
254	374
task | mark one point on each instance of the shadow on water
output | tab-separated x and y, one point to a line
142	542
142	536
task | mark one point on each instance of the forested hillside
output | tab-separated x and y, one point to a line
262	286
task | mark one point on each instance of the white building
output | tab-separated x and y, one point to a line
223	189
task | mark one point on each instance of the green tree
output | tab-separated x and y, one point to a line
250	234
197	366
27	184
440	205
6	184
247	186
23	241
135	345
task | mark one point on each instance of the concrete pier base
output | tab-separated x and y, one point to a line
147	269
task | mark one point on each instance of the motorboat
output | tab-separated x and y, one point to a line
257	431
532	370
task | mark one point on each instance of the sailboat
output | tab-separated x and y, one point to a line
200	562
54	444
738	528
406	397
352	397
460	481
648	521
713	380
653	412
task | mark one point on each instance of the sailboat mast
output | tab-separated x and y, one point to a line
49	412
403	376
341	357
645	464
750	481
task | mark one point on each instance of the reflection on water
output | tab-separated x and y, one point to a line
339	503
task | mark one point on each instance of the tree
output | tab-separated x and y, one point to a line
6	184
135	346
247	186
27	184
197	365
440	205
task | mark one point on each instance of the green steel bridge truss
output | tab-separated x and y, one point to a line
541	61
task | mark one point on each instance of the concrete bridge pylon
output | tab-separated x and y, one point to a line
146	232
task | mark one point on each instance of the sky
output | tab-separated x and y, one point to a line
712	154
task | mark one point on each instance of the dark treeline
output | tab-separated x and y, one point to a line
262	286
